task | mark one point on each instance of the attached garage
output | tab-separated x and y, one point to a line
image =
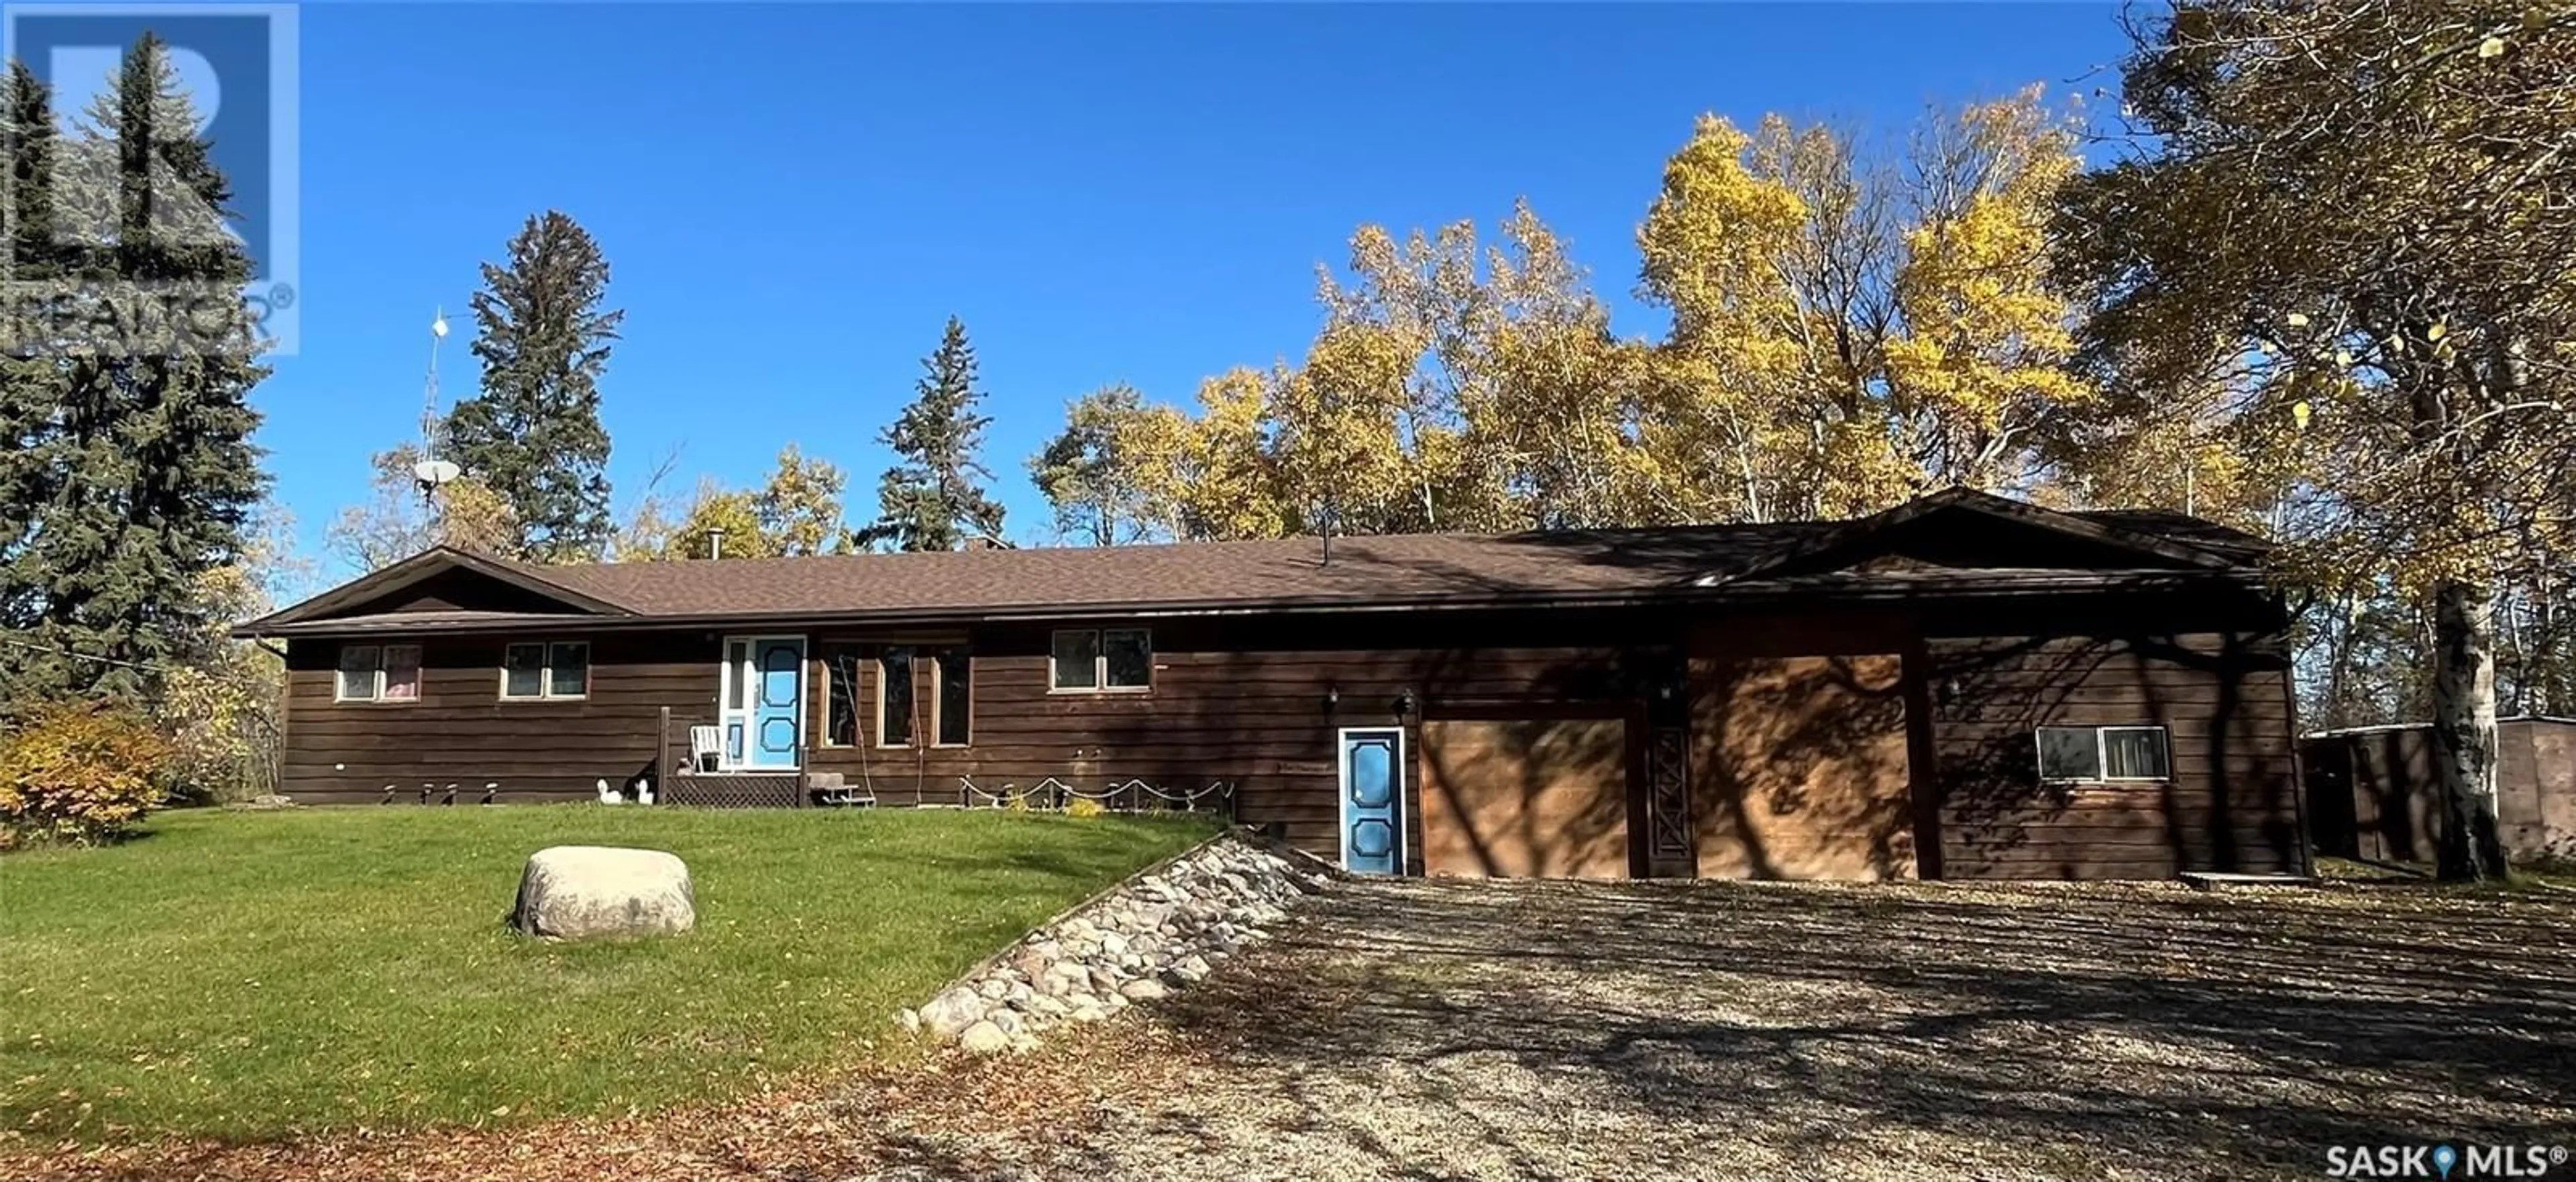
1525	798
1797	768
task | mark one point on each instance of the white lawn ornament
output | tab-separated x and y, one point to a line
643	791
608	795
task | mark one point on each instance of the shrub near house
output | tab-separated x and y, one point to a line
79	774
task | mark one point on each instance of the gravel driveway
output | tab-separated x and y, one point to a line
1444	1030
1436	1031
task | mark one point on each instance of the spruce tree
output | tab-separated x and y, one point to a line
30	379
140	467
935	499
533	434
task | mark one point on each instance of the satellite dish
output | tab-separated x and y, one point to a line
435	473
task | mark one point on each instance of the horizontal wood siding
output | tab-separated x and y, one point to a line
1238	701
1242	701
1245	700
2552	743
2231	803
461	732
2553	770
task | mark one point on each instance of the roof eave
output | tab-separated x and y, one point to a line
1969	585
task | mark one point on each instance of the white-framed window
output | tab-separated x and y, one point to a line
1101	660
543	670
2117	754
378	673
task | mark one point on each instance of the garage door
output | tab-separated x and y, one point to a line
1533	798
1798	768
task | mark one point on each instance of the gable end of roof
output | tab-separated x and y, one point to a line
1858	532
422	566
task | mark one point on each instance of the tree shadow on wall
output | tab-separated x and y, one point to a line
1811	750
1526	797
1991	697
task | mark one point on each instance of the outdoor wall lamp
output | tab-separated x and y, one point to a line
1332	697
1403	703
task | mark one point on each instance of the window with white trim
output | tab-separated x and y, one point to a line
2105	754
1101	659
545	670
378	673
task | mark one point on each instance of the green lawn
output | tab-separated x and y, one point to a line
247	975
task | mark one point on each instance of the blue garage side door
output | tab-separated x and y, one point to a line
1372	769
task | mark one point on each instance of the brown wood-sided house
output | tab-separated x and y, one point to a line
1962	686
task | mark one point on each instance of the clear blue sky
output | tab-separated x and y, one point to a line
793	198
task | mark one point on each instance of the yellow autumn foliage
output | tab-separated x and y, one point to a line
82	774
1842	336
1984	351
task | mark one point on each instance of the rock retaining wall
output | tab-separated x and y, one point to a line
1162	930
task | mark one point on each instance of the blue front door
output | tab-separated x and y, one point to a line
778	700
763	706
1372	767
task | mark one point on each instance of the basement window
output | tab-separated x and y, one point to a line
2105	754
1101	659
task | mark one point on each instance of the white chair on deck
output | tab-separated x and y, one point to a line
706	748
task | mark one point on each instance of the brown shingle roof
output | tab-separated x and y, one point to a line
1388	569
1392	571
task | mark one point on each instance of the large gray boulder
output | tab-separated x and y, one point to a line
583	892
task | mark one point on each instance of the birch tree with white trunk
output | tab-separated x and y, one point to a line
2337	242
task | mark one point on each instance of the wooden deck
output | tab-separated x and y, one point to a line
679	784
